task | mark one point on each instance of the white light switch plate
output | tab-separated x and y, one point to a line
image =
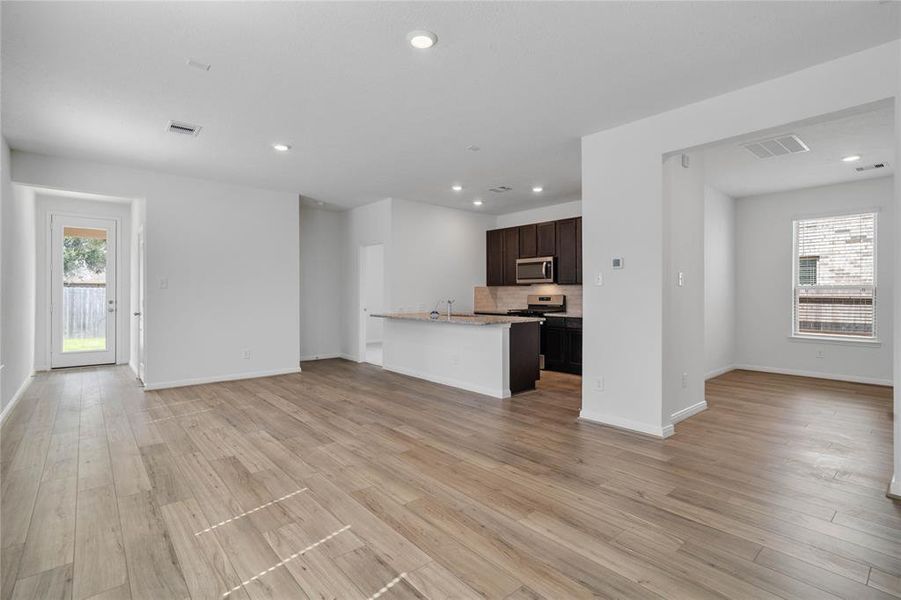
599	279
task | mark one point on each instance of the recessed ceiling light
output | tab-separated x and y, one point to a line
852	158
422	40
477	202
537	189
457	187
281	147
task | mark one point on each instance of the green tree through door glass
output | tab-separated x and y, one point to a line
84	289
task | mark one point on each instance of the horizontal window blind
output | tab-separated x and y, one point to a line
835	276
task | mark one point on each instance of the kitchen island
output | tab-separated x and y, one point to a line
493	355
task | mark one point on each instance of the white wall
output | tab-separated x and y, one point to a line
373	281
436	253
322	249
764	282
719	282
17	284
45	205
229	255
683	301
622	206
895	485
555	212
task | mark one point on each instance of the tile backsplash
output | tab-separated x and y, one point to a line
502	298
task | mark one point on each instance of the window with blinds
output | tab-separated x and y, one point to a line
835	276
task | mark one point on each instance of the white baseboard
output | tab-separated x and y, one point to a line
817	375
626	424
321	356
718	372
148	386
7	410
463	385
894	489
681	415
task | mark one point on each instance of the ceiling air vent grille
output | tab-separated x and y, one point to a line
880	165
777	146
183	128
500	189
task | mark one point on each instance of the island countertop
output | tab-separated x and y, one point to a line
459	319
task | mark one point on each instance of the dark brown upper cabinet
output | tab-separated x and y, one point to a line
528	241
511	253
546	234
579	250
560	239
567	248
495	251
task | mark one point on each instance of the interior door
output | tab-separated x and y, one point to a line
83	291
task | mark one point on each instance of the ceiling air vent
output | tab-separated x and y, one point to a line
500	189
183	128
880	165
777	146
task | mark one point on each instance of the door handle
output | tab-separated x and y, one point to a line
137	314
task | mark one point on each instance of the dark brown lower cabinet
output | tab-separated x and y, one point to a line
561	345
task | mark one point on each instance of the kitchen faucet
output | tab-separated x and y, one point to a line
450	303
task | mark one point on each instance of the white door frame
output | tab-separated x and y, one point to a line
55	357
140	314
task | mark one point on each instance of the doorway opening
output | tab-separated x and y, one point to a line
372	300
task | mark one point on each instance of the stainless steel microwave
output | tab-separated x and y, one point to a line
535	270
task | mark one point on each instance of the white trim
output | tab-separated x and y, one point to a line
464	385
894	489
835	339
817	375
325	356
718	372
681	415
16	397
626	424
218	378
349	357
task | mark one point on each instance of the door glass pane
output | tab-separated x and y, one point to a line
84	289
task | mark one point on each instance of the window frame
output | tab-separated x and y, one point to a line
794	334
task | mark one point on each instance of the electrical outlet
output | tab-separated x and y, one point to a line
455	359
684	380
599	384
681	279
245	354
820	354
599	279
164	283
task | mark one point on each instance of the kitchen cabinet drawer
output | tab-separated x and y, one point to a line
557	322
574	322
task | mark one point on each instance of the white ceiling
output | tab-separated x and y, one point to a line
369	117
735	171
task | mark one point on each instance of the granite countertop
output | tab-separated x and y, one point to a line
460	319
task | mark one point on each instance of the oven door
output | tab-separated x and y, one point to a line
535	270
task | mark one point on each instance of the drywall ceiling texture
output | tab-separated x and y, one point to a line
622	214
222	268
368	116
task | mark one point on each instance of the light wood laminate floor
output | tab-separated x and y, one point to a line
349	482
